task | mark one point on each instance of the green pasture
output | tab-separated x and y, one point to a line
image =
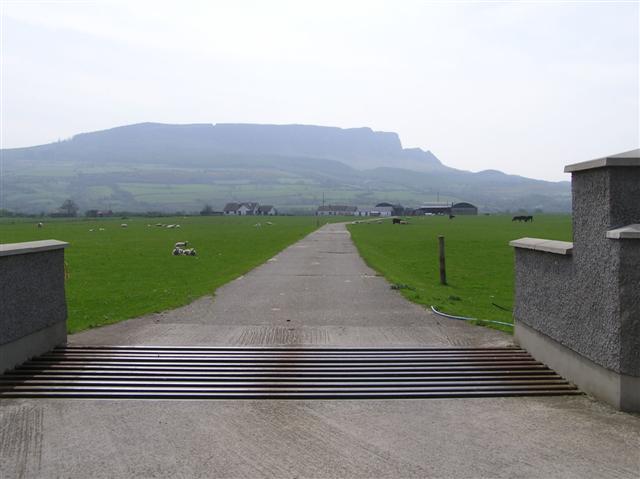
121	273
479	261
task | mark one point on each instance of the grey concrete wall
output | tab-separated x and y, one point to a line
543	300
33	307
589	301
629	290
32	292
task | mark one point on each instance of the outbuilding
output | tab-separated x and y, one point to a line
464	209
434	209
267	210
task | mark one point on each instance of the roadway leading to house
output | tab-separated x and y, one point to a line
317	292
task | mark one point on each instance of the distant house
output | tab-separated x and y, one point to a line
267	210
249	208
337	210
231	209
240	209
464	209
433	209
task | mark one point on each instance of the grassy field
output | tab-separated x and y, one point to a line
479	261
122	273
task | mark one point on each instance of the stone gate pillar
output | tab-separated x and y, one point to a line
33	308
577	305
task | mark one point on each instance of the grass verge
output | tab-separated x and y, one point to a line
480	263
121	273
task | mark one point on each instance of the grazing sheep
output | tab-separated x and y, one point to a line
269	223
171	226
159	224
100	229
181	244
91	230
184	252
40	225
177	226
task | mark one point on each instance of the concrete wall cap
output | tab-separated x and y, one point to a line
10	249
626	232
628	158
545	245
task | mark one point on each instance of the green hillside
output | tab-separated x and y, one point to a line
181	167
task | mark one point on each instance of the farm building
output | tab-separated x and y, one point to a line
464	209
266	210
433	209
337	210
364	211
383	209
379	210
240	209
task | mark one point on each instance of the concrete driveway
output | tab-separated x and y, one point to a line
317	292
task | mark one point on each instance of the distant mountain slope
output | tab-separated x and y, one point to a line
180	167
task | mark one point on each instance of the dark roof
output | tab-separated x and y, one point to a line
384	204
231	207
265	208
464	205
337	208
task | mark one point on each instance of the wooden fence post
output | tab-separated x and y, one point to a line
443	269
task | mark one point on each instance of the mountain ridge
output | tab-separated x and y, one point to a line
290	164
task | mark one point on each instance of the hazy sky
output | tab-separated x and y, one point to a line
523	87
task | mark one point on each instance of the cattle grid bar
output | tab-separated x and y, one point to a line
161	372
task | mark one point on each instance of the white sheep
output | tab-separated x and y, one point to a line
40	225
258	225
181	244
177	251
124	225
100	229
